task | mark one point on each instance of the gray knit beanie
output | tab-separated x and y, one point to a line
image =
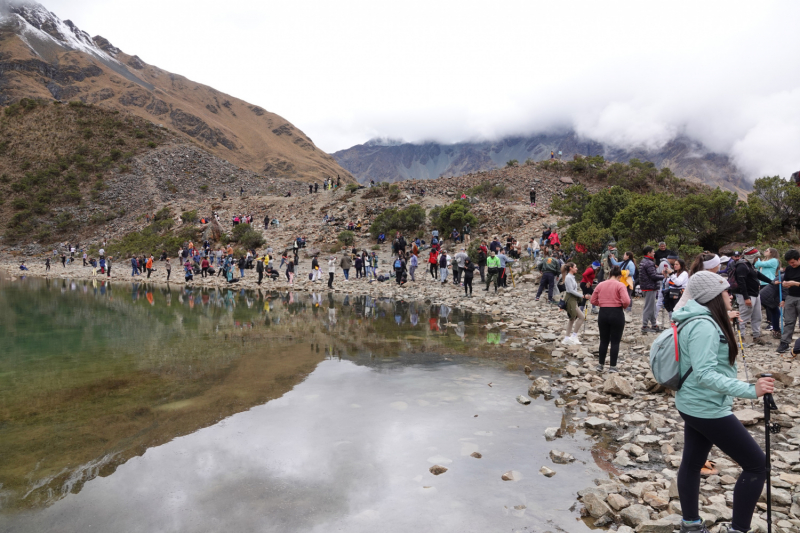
704	286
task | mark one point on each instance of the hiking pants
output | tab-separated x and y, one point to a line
492	276
346	273
433	270
149	271
649	313
548	280
611	322
774	318
750	314
443	274
482	269
204	272
398	274
330	280
411	271
467	286
731	437
316	274
456	277
260	277
791	310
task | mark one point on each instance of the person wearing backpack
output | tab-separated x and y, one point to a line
707	358
469	273
612	297
482	255
650	282
748	295
550	267
791	298
399	266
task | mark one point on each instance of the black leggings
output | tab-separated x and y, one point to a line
434	271
731	437
467	285
330	280
611	322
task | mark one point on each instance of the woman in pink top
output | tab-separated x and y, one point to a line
611	296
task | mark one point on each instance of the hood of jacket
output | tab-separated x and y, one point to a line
691	309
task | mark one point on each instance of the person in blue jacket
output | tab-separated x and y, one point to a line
708	347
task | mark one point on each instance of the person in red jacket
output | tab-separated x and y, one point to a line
204	264
433	263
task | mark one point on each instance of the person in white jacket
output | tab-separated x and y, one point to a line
331	271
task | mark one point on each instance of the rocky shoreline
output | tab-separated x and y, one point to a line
629	411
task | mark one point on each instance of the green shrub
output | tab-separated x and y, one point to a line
452	216
19	203
392	220
512	163
203	188
189	217
76	104
151	144
163	214
351	187
247	237
346	237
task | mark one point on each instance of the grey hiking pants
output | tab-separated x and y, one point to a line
791	310
750	314
649	313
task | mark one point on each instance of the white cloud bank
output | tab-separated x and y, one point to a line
622	72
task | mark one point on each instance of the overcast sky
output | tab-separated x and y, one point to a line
627	73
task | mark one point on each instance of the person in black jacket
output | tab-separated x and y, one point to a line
469	272
748	296
662	253
260	270
650	283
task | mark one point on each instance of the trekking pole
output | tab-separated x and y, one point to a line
744	358
769	428
780	300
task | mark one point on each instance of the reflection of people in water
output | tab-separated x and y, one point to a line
461	331
414	316
433	322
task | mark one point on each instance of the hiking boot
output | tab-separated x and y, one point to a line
613	370
598	368
696	527
776	334
536	300
647	330
759	340
783	347
727	528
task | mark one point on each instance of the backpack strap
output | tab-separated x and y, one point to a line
675	331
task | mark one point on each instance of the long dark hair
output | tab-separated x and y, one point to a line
720	315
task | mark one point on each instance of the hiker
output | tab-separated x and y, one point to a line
22	266
241	265
346	263
662	253
460	258
358	265
587	283
649	282
399	267
433	261
708	351
316	187
134	267
469	274
204	266
443	266
545	240
612	297
532	195
413	262
573	296
260	269
791	298
167	267
331	270
290	272
550	268
770	295
108	267
675	286
149	265
493	267
374	265
47	264
465	231
505	261
482	255
533	249
748	293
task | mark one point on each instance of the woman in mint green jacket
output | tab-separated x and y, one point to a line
708	347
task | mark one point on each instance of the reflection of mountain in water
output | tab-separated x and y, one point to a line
93	374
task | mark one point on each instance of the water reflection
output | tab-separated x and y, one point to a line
94	373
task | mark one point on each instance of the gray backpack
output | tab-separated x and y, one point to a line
665	356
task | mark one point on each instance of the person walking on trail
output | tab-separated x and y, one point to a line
791	297
505	263
47	265
331	271
708	350
748	294
550	267
770	295
290	272
443	266
573	298
346	263
465	231
413	263
612	297
134	266
316	274
649	281
461	257
204	266
493	268
482	255
469	273
532	195
108	267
